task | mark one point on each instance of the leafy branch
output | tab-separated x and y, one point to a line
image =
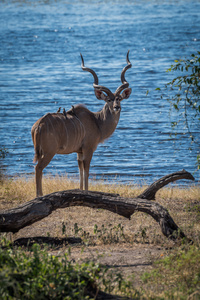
184	93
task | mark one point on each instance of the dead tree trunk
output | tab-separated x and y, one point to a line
13	220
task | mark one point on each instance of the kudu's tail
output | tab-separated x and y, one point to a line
36	141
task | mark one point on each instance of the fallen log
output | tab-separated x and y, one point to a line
14	219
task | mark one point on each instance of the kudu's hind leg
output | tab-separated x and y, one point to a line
80	166
42	163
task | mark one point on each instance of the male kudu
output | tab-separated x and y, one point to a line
78	130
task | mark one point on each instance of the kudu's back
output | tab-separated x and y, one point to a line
56	133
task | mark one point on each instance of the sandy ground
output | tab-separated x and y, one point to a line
131	255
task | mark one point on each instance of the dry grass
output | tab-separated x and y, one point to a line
182	204
21	189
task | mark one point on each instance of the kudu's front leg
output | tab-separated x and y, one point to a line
84	166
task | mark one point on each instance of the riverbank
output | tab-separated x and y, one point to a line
130	247
22	188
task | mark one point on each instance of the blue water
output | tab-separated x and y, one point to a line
40	70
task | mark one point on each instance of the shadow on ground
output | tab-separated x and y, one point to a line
52	241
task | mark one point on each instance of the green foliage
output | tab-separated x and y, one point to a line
141	235
177	274
3	153
105	234
35	274
38	275
194	208
111	234
198	162
183	93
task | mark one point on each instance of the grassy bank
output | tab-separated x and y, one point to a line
130	257
22	189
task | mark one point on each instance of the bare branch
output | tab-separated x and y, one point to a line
13	220
151	191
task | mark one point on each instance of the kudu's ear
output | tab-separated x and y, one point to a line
100	95
126	93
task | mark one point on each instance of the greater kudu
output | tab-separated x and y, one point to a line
78	130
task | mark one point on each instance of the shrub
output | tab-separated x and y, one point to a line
38	275
177	274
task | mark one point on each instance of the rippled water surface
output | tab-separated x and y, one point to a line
40	70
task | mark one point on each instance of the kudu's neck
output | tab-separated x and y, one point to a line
107	121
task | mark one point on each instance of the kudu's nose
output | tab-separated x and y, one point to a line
117	107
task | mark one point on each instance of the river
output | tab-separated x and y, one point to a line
40	70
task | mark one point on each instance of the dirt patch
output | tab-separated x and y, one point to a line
130	250
127	259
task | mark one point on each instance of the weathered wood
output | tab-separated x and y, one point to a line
13	220
151	191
